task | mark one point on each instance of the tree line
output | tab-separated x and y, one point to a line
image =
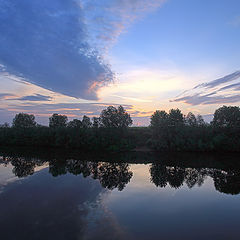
107	132
111	131
111	117
175	132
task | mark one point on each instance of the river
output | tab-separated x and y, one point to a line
49	195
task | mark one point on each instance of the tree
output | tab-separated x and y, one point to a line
200	120
191	119
5	125
115	118
24	120
159	119
86	122
96	122
227	117
57	120
75	123
175	117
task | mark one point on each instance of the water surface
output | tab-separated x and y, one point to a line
120	196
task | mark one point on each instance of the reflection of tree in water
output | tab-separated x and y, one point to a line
57	168
162	175
158	175
23	167
118	175
224	181
195	176
227	182
110	175
114	175
79	167
175	176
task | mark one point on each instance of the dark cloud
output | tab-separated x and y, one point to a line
220	91
45	43
37	97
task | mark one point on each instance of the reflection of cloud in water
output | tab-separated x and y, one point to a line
41	203
6	176
100	221
7	173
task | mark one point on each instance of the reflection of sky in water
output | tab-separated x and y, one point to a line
145	210
70	206
6	176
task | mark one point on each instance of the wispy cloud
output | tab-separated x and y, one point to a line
107	19
4	96
43	111
70	109
132	99
220	91
33	98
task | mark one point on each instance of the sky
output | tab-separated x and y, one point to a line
77	57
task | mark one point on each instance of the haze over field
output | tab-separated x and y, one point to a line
76	57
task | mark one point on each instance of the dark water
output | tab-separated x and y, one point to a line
48	195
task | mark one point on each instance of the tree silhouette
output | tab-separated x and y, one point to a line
227	117
24	120
159	119
75	123
57	120
175	117
191	119
86	122
115	118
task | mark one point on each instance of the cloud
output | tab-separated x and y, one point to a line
220	91
46	43
56	44
205	99
4	96
37	97
220	81
45	110
109	18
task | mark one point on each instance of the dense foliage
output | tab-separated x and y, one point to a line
23	120
110	131
174	132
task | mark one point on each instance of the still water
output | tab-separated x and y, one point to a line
48	195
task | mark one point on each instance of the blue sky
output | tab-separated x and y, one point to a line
79	56
188	33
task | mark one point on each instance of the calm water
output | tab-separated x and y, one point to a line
125	196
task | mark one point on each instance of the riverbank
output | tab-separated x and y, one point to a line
180	138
